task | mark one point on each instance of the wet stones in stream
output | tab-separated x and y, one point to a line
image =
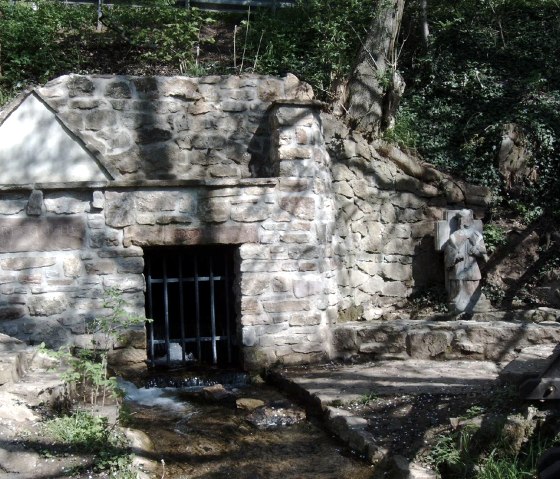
259	434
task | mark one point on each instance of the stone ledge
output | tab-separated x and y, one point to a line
134	184
492	340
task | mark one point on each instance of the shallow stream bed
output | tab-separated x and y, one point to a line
201	439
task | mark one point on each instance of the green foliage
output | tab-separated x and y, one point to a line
494	237
160	33
366	398
488	63
88	369
317	40
494	293
43	39
84	432
38	41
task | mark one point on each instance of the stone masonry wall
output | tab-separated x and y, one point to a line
173	127
329	226
84	242
384	223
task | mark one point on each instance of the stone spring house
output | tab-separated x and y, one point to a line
232	200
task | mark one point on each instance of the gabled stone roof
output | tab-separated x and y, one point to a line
147	128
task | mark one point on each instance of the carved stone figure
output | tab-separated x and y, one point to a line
463	248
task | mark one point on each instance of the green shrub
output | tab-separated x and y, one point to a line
494	237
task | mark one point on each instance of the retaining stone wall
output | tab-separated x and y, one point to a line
328	229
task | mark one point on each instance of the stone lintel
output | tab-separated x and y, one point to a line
172	235
41	234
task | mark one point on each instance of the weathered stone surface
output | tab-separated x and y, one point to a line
214	210
286	306
170	235
304	288
28	262
47	304
11	312
248	404
35	203
249	213
45	234
119	209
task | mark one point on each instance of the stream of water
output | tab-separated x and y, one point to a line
201	439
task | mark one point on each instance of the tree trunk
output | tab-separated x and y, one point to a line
375	75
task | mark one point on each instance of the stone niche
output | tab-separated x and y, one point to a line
321	224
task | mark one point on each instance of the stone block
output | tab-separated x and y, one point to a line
303	288
305	319
80	86
118	89
297	168
179	87
263	266
308	347
293	152
286	306
296	237
104	238
249	336
41	234
394	288
130	265
13	206
399	246
254	251
35	203
254	285
99	119
345	339
303	266
47	304
66	204
281	284
373	285
396	271
426	344
100	267
294	185
249	213
126	284
304	252
119	209
301	207
11	312
28	262
72	267
214	210
343	188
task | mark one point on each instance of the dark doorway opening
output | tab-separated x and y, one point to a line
189	297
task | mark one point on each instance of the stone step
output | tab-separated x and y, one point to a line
490	340
15	359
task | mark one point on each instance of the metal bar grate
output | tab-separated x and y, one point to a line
189	297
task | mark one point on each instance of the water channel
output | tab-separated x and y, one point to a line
201	438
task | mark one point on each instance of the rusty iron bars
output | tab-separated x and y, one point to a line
189	296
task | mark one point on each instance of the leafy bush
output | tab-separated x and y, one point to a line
488	63
84	432
317	40
494	237
88	369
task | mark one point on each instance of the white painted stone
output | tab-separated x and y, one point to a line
36	148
